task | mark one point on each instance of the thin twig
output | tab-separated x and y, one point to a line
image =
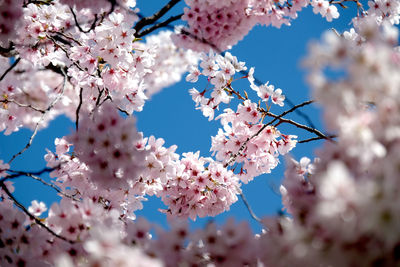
289	111
10	68
315	138
33	217
79	26
6	101
22	173
37	178
68	37
41	119
158	25
124	111
302	126
300	113
99	96
287	100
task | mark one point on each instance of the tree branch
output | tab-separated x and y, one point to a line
302	126
79	26
21	173
78	109
9	51
151	19
10	68
158	25
6	101
37	178
287	112
315	138
34	175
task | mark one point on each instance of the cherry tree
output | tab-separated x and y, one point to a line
98	62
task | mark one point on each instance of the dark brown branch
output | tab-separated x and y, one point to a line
30	215
158	25
288	111
79	26
300	113
124	111
37	2
22	173
10	68
287	100
301	126
151	19
34	175
315	138
67	37
9	51
78	109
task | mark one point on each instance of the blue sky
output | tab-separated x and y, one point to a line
276	55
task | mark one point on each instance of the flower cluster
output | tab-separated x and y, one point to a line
249	142
219	70
385	10
347	203
10	12
244	139
74	178
325	9
214	24
275	13
220	24
197	190
94	6
106	143
192	186
105	247
81	58
26	94
105	62
170	62
34	30
21	244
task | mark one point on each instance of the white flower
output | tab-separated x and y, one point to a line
37	208
277	97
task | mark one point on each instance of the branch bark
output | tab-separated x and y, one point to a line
151	19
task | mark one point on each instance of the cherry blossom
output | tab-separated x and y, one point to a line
87	60
37	208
